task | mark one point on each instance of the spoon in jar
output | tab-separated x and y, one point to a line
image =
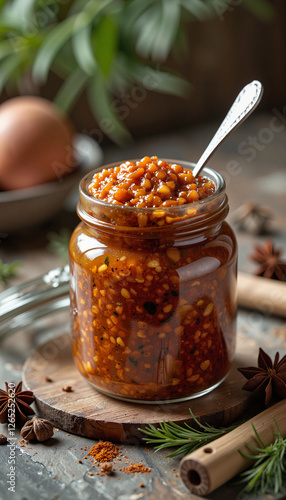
244	104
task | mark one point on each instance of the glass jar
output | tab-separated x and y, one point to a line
153	296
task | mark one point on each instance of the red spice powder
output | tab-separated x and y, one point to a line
104	451
132	468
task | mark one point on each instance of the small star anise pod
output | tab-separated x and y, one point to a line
37	428
22	400
252	218
269	259
266	378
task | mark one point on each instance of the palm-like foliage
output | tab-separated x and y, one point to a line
102	47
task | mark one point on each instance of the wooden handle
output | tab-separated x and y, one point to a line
209	467
263	294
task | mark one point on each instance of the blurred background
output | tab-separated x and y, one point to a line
139	65
117	79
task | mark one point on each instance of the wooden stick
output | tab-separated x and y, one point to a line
255	292
209	467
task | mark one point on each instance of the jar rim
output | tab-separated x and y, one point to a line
210	173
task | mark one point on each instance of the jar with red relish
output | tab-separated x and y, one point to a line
153	281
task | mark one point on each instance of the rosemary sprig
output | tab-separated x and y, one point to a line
185	438
8	271
268	468
59	243
269	465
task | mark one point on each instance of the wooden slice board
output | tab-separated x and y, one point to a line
89	413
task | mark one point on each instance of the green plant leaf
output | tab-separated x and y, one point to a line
8	271
119	80
2	3
95	8
8	67
82	48
104	41
100	103
71	89
23	11
51	46
167	83
200	9
6	48
64	66
167	30
60	34
133	12
77	6
145	30
263	9
156	80
7	28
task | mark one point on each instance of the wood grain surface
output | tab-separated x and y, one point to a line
258	293
87	412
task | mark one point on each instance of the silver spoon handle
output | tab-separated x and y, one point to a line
244	104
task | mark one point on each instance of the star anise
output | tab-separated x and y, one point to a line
266	378
269	259
252	218
22	400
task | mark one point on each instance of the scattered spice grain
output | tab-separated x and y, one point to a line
133	468
68	388
104	451
48	379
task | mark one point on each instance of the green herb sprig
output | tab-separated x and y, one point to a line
59	243
185	438
268	468
269	462
8	271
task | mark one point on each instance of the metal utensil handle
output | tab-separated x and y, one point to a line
244	104
47	288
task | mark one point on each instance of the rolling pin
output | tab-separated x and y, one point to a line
255	292
214	464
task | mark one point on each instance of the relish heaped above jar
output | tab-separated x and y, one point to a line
153	281
149	183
